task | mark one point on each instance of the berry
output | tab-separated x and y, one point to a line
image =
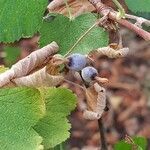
77	62
89	73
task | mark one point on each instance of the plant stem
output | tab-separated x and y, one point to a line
113	16
138	20
121	9
68	9
75	84
102	135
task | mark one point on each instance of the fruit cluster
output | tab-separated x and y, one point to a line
78	62
96	103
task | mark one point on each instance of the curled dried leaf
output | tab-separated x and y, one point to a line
96	102
55	4
48	76
39	79
111	51
77	7
56	64
90	115
29	63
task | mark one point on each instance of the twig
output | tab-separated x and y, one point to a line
102	131
75	84
139	20
144	34
103	10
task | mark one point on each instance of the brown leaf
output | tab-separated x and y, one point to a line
77	7
96	102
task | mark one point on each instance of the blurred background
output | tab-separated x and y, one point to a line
128	91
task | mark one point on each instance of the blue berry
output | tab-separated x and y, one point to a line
89	73
77	62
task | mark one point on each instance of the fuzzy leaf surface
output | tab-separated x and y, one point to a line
54	126
20	110
140	143
138	5
12	53
66	32
20	18
122	145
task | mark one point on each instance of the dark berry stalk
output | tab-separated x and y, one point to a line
102	135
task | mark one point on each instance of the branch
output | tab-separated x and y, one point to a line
104	10
139	20
102	134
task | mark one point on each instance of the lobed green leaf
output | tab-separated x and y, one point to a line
20	18
12	53
20	110
54	126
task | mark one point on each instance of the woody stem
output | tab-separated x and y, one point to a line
102	134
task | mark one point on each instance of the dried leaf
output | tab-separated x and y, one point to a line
26	65
77	7
39	79
48	76
96	102
111	51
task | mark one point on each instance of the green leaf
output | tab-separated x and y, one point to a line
20	110
66	33
20	18
54	126
122	145
59	147
138	5
140	141
12	53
